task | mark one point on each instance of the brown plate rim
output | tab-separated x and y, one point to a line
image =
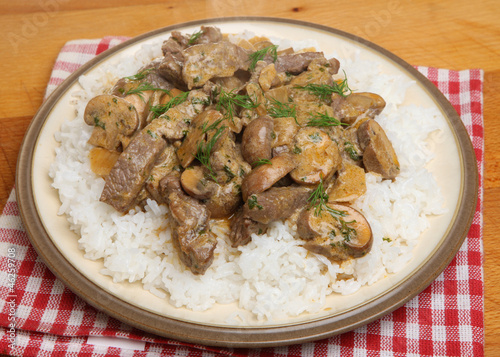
259	336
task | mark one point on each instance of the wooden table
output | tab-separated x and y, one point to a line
448	34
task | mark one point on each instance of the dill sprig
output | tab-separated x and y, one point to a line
194	37
279	109
143	87
140	75
162	108
204	150
229	100
318	200
323	120
261	162
260	54
324	91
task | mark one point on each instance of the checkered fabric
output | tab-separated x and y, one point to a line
44	318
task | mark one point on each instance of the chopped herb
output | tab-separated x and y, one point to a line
115	100
347	232
140	75
281	110
162	108
252	202
153	135
318	200
99	123
260	54
242	172
315	138
387	239
323	120
229	173
204	101
229	100
296	150
349	148
145	86
196	79
194	37
324	91
262	162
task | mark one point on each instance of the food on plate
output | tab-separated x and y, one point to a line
219	168
225	151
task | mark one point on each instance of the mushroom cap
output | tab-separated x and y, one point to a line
264	176
340	234
112	118
379	155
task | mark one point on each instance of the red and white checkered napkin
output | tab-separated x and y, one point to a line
46	318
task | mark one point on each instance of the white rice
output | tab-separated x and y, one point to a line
273	276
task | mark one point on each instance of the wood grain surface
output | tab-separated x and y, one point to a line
449	34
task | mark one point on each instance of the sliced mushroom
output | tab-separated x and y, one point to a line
349	108
264	176
317	156
349	185
379	155
113	119
257	140
195	182
339	232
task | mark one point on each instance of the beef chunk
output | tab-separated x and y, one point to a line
277	203
243	227
191	230
130	172
206	61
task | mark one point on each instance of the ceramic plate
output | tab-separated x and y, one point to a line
454	168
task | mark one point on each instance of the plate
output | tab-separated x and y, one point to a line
454	168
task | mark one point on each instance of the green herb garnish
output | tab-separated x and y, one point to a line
387	239
145	86
296	150
324	91
349	148
252	202
204	151
99	123
162	108
323	120
229	100
140	75
229	173
318	200
315	138
262	162
260	54
279	109
194	37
